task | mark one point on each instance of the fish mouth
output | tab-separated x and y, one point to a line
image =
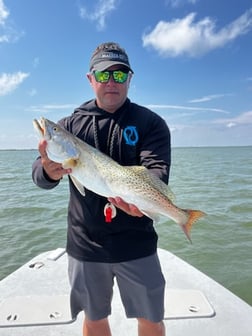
39	126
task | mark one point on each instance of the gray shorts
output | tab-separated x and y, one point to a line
140	281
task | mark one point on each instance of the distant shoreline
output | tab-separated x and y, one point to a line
232	146
17	149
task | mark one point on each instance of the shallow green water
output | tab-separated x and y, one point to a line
216	180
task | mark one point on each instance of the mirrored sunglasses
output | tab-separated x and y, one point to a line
119	76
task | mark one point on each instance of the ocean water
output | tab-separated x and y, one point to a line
216	180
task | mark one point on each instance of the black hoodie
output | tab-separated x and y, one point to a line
133	135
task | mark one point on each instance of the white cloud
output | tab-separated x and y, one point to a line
100	13
3	13
187	108
3	17
178	3
8	33
244	118
208	98
186	36
231	124
49	107
9	82
4	38
35	62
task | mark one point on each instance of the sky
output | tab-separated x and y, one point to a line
192	62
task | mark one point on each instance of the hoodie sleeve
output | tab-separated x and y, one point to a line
155	151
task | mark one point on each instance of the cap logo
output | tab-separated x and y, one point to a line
112	55
106	58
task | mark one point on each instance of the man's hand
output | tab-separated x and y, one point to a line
130	209
54	170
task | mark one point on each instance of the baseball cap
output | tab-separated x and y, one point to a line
108	54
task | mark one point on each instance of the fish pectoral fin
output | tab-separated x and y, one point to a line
78	185
70	163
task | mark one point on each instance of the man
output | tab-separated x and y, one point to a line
109	238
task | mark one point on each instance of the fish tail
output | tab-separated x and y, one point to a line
193	216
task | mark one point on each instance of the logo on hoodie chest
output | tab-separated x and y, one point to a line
130	135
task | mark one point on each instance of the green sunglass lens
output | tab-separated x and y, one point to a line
102	76
118	76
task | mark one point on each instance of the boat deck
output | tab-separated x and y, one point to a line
34	300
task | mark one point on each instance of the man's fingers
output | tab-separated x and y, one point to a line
42	148
130	209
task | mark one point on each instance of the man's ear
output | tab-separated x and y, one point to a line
129	78
89	77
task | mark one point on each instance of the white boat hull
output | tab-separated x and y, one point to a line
34	301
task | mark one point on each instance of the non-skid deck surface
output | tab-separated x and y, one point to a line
55	309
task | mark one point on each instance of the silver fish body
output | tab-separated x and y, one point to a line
97	172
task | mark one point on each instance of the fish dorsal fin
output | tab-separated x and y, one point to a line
78	185
153	180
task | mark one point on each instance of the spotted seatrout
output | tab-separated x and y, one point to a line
97	172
